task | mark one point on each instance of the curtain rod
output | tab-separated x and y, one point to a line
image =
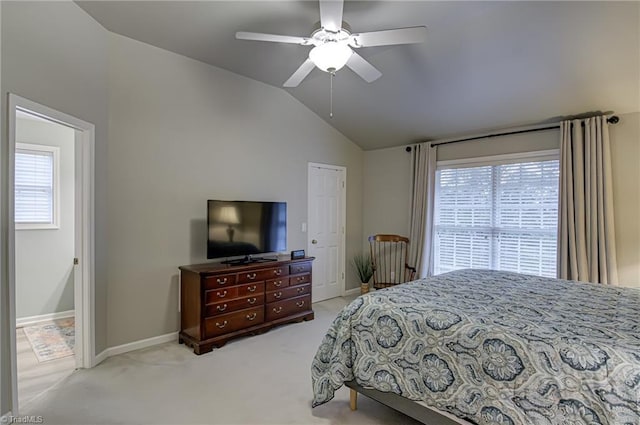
611	120
496	135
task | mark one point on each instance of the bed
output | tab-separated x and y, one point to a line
491	347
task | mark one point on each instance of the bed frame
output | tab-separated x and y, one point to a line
417	411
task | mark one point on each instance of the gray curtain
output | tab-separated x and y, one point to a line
423	166
586	238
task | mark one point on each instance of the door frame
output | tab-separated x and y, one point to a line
343	217
84	283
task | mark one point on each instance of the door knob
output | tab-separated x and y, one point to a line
314	241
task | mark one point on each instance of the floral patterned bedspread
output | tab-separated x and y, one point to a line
493	348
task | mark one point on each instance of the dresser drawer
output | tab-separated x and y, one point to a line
288	307
230	306
292	291
273	284
255	276
226	323
300	279
299	268
251	289
279	271
213	282
216	295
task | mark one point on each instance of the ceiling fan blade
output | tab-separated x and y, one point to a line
300	74
258	36
388	37
363	68
331	14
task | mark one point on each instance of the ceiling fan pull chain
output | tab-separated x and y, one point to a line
331	95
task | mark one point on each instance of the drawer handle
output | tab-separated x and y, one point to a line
222	281
300	304
300	290
299	269
277	295
222	294
277	284
277	272
300	279
251	276
251	300
221	325
221	307
252	288
277	310
251	316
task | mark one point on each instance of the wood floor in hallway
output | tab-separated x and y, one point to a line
35	377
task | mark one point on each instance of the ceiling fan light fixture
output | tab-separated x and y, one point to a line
330	56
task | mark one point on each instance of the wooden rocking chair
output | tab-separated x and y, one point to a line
389	259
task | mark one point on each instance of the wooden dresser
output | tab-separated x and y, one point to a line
219	301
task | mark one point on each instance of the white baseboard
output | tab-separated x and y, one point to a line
99	358
350	292
32	320
161	339
136	345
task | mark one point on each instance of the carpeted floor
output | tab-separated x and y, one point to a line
263	379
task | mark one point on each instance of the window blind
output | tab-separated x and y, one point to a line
501	217
34	186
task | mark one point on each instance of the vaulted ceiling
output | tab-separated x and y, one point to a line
485	65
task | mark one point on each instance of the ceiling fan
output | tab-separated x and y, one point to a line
333	44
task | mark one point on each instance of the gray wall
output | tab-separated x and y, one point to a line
515	143
625	161
387	187
387	177
182	132
55	54
44	257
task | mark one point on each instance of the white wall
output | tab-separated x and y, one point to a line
55	54
387	177
44	257
182	132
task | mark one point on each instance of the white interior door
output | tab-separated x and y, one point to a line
326	231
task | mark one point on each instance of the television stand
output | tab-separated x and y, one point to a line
248	259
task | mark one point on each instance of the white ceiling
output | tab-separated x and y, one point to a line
485	65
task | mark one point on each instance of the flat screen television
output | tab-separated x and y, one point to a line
245	228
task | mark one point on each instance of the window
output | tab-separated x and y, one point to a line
36	186
498	213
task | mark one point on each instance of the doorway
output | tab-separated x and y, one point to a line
44	222
326	230
44	251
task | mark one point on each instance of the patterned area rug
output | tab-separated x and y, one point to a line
52	340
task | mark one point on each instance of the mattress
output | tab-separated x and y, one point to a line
492	347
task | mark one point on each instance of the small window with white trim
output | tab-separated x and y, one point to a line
36	186
497	213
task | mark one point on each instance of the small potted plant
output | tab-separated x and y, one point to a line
364	268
